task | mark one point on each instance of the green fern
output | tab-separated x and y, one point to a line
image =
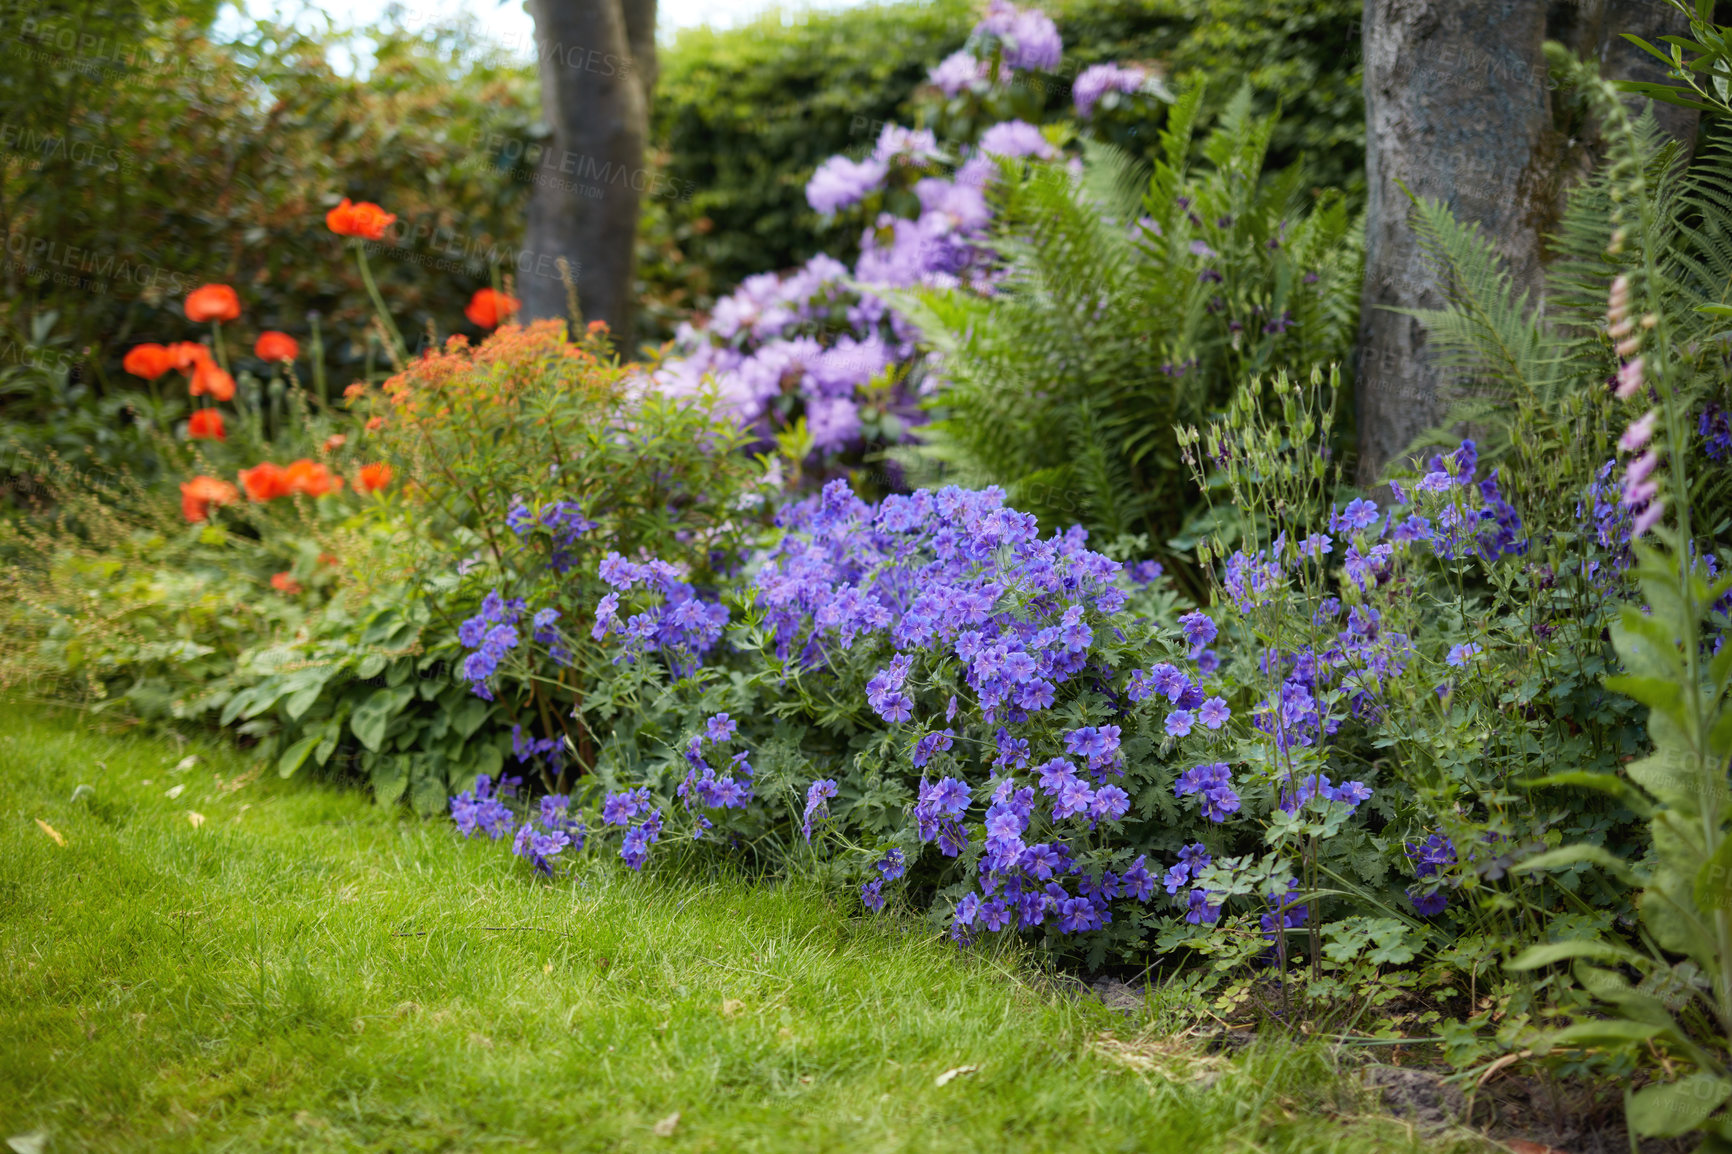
1530	383
1104	330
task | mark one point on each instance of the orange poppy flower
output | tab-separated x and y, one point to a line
310	477
206	425
365	220
488	308
264	482
187	355
148	361
374	477
354	389
285	582
200	493
275	346
374	423
334	442
209	380
212	302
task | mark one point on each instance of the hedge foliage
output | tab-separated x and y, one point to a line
747	114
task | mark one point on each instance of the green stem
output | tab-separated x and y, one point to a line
217	346
402	349
319	363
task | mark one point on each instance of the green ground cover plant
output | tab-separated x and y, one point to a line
196	955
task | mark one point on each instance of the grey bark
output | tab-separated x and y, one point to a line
584	206
1458	109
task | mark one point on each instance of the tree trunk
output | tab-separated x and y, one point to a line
1456	109
585	203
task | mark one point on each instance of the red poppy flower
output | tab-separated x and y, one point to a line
334	442
285	582
209	380
375	423
374	477
212	302
354	389
200	493
365	220
148	361
206	425
275	346
488	308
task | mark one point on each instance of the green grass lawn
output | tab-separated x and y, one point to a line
303	970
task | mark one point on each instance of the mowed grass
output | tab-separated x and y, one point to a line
304	970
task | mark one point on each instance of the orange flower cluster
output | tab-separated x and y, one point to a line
365	220
266	482
200	493
285	582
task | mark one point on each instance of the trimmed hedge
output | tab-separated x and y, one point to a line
747	114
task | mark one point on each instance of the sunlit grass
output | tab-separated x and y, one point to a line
305	970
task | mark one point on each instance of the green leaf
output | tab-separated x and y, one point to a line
467	718
390	779
373	717
369	667
1676	1108
1609	1032
1575	855
1713	889
1550	953
294	756
302	699
1659	693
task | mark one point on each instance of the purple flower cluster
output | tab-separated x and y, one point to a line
1097	80
1202	906
703	787
552	831
561	522
818	796
527	749
1213	786
482	808
823	334
1285	911
1028	37
681	627
491	634
1428	857
624	809
1317	787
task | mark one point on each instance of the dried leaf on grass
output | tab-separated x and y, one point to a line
1170	1059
